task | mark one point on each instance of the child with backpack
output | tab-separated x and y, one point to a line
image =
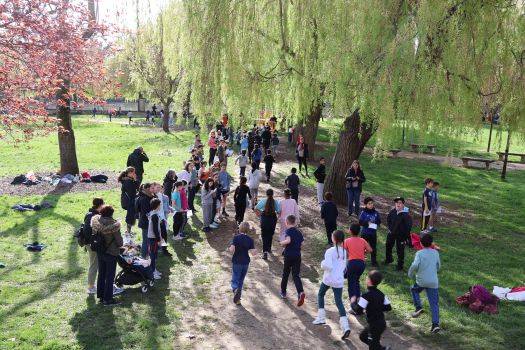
242	160
369	219
426	204
241	247
292	244
334	265
154	236
375	303
268	164
292	182
425	268
240	199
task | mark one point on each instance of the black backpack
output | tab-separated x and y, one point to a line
98	243
83	233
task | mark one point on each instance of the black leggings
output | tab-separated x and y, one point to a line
302	161
268	224
212	156
239	212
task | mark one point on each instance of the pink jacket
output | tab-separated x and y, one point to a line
184	199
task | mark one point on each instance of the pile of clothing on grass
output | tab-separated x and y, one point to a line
32	207
30	179
478	299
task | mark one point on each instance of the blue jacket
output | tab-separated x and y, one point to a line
367	216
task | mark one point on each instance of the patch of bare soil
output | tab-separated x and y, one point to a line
44	188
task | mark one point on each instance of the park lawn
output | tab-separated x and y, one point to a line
467	143
43	303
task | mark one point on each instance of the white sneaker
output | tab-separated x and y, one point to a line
214	225
92	290
178	237
156	276
321	317
117	290
158	272
345	327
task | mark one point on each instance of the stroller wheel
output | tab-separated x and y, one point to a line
144	289
151	282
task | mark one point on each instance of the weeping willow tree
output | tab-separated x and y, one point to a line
149	63
245	57
431	65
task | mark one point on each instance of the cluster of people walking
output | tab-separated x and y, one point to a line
151	204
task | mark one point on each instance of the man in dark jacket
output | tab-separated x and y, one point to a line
399	225
320	175
142	209
136	159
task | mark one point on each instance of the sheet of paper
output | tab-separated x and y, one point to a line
372	226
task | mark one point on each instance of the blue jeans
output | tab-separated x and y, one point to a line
338	296
354	199
144	246
433	300
107	265
238	274
354	270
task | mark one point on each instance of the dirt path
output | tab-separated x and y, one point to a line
265	321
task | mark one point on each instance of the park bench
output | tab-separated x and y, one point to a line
501	156
487	162
417	146
394	152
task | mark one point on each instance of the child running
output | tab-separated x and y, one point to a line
242	160
240	199
241	247
376	304
254	180
292	182
356	248
329	214
268	164
425	268
288	207
370	220
292	244
334	265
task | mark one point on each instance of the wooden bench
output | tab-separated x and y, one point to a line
487	162
430	148
394	152
501	156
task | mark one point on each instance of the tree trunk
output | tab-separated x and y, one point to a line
506	158
166	117
186	104
66	136
352	141
309	129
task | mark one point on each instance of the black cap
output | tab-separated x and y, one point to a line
397	199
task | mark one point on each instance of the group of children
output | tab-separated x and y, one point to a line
344	259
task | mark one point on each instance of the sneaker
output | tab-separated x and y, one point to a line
237	296
416	313
283	295
112	302
157	272
214	225
265	256
177	237
156	276
435	328
92	290
300	300
117	290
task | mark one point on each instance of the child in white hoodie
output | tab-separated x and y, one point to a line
334	265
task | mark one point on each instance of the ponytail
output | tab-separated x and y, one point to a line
269	207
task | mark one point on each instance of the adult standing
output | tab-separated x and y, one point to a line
399	225
320	176
142	208
301	151
354	185
98	203
109	228
128	181
136	159
268	209
212	143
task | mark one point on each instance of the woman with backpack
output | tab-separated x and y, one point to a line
268	210
128	180
108	248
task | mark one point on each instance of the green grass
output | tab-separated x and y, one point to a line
43	304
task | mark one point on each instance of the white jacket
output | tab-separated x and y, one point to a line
254	179
334	267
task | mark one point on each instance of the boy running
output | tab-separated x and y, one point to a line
292	258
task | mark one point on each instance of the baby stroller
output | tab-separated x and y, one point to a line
132	274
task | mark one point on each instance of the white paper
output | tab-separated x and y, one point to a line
372	226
